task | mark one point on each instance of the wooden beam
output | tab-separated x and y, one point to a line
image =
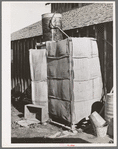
105	58
71	81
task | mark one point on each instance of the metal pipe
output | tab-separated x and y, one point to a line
58	27
40	44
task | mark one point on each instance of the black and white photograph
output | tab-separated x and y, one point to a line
61	84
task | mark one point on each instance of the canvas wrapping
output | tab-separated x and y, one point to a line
38	64
73	86
38	69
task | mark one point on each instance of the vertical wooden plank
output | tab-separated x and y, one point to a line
100	33
79	33
41	39
76	32
80	5
21	64
32	43
72	33
24	64
63	8
20	57
11	65
105	57
35	41
109	81
96	32
15	75
14	62
29	45
52	6
17	61
58	9
25	81
22	60
87	31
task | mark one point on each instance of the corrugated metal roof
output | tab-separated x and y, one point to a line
88	15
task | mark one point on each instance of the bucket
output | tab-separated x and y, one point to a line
49	32
97	120
100	126
101	131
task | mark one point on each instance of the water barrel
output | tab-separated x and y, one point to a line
49	32
109	113
110	128
109	107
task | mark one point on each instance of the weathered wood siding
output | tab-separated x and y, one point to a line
20	74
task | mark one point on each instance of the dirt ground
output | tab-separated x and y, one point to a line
38	133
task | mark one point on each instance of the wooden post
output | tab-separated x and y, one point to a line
105	58
71	82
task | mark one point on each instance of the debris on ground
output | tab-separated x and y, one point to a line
55	135
27	122
41	132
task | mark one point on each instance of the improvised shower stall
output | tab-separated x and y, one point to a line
70	70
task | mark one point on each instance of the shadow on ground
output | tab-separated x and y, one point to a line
47	140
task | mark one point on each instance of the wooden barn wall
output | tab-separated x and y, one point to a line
20	73
20	70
